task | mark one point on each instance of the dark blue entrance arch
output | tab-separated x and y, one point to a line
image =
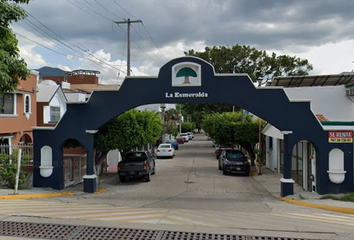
294	119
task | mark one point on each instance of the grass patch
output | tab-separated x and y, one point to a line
349	197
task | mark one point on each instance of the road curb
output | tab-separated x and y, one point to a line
101	190
319	206
36	195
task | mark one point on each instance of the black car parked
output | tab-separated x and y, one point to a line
137	164
234	161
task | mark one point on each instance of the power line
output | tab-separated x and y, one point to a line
143	26
79	7
64	45
147	46
128	22
75	52
154	42
33	41
124	9
55	38
124	31
107	9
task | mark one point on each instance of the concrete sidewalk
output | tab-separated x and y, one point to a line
269	180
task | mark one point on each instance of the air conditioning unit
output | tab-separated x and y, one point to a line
350	94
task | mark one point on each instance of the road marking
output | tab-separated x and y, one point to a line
198	219
111	213
340	219
155	215
118	216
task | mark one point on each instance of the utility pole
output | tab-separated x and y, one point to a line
128	22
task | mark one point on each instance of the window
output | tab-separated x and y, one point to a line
7	103
27	104
54	114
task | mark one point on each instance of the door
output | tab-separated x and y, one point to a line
311	168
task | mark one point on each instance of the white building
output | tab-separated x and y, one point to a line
334	109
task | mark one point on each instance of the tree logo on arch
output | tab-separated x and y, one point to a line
186	74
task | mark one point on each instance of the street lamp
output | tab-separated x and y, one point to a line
163	107
259	146
259	80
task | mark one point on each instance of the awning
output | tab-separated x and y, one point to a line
271	131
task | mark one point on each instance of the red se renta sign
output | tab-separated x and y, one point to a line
340	136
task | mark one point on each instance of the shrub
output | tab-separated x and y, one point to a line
8	168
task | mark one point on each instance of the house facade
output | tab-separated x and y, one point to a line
334	109
51	103
18	113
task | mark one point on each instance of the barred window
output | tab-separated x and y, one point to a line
27	104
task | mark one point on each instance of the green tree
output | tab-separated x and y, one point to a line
197	111
228	128
256	63
188	126
127	131
170	125
12	67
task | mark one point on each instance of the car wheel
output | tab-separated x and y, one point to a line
247	173
123	179
148	177
224	172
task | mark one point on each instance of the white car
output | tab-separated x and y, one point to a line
185	137
190	135
165	150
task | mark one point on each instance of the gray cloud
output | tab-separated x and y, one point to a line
287	26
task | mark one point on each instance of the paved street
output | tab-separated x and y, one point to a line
187	191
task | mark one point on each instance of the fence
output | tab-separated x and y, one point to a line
27	152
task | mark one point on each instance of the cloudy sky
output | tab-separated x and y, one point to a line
82	34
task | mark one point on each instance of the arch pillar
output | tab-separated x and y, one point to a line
90	177
287	183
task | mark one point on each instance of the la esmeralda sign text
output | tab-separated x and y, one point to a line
186	95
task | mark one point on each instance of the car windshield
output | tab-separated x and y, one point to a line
165	146
235	155
135	156
183	134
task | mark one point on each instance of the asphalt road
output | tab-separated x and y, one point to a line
191	180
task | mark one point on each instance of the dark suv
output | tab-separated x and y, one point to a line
137	164
234	161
